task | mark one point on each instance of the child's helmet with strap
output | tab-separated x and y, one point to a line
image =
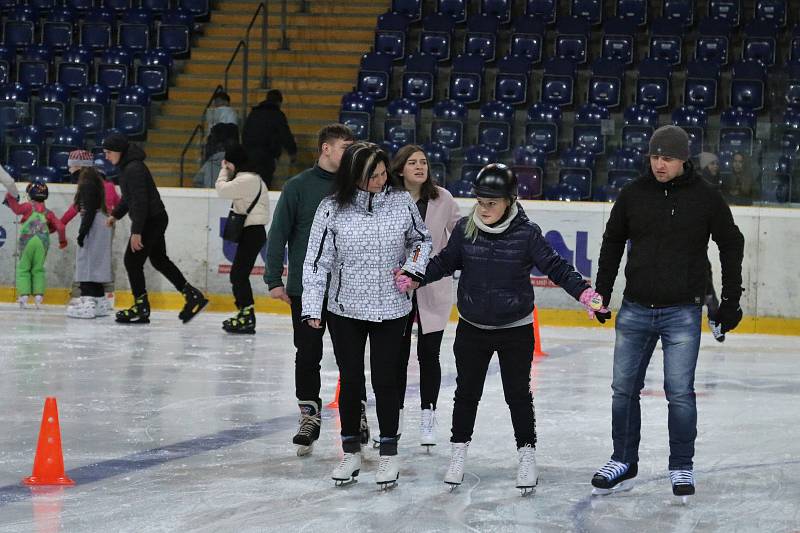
37	190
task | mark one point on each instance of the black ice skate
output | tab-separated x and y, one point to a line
308	432
243	322
138	313
195	302
682	484
614	477
364	424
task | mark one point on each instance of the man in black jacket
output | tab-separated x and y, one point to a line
140	200
265	134
667	215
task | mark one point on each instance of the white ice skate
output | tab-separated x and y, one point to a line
23	301
388	472
86	307
37	301
347	470
103	306
682	485
614	477
528	472
455	472
427	422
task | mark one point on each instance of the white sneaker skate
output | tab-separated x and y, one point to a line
388	472
103	306
455	472
37	301
85	308
427	422
528	473
347	470
23	301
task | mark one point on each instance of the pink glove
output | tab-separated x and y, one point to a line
403	283
592	301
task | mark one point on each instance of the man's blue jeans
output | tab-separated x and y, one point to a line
638	328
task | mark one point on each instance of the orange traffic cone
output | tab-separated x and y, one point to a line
537	339
335	403
48	466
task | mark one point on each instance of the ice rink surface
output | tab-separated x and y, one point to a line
171	427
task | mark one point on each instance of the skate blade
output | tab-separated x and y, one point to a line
344	482
304	450
189	314
526	491
452	486
623	486
387	485
681	501
376	444
126	322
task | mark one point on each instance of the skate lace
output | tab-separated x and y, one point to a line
613	469
526	460
384	465
307	425
457	460
681	477
428	420
346	460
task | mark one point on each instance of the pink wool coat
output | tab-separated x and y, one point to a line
435	301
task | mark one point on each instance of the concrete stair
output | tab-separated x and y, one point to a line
325	46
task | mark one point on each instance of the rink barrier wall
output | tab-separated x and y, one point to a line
770	277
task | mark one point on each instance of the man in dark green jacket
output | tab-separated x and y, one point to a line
291	224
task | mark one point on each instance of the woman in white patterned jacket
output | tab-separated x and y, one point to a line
362	234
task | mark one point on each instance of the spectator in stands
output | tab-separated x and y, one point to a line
207	175
222	127
739	187
266	134
709	169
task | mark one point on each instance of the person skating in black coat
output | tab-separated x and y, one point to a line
266	134
149	220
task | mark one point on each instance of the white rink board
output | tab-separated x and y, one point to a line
575	229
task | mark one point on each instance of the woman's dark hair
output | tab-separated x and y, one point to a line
236	154
428	190
358	163
90	182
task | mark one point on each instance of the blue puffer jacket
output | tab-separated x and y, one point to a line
495	286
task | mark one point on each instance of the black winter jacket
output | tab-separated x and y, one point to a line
140	198
495	285
265	135
668	225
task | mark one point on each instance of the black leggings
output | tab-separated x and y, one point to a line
473	349
155	248
349	336
250	244
430	371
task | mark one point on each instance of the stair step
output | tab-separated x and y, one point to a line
347	20
307	33
222	51
203	94
313	7
295	85
274	42
192	110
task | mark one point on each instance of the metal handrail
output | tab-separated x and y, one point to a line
240	45
197	128
262	7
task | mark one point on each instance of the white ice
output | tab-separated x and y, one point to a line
172	427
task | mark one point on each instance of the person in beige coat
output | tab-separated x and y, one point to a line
431	304
250	196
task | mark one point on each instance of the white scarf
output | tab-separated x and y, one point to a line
501	227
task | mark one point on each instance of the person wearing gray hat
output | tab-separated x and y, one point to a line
667	215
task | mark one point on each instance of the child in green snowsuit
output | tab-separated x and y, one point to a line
34	239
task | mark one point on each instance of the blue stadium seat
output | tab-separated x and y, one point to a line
375	76
702	82
572	39
713	40
174	33
455	9
640	120
605	85
447	126
652	86
65	140
634	10
792	93
80	6
356	112
495	125
44	173
694	121
500	9
737	130
200	9
419	77
759	41
679	11
133	31
729	10
576	172
25	150
153	72
527	38
390	35
50	110
511	82
117	6
475	158
591	10
157	7
43	7
587	132
57	30
461	188
528	165
558	81
89	109
618	40
14	107
794	45
73	71
24	13
747	84
390	148
438	161
437	36
410	8
624	165
772	11
466	78
113	69
33	70
544	10
18	33
402	120
95	34
666	41
130	111
7	58
481	37
542	125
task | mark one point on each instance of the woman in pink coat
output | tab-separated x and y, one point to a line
431	304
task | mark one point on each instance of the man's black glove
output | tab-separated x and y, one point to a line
80	240
729	314
605	313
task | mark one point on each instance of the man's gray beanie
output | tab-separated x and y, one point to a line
670	141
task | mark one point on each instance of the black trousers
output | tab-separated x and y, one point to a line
473	349
250	244
308	343
430	370
349	337
91	288
155	248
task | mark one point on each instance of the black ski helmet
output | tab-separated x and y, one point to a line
37	190
496	180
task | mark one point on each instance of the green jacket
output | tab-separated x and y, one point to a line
291	223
